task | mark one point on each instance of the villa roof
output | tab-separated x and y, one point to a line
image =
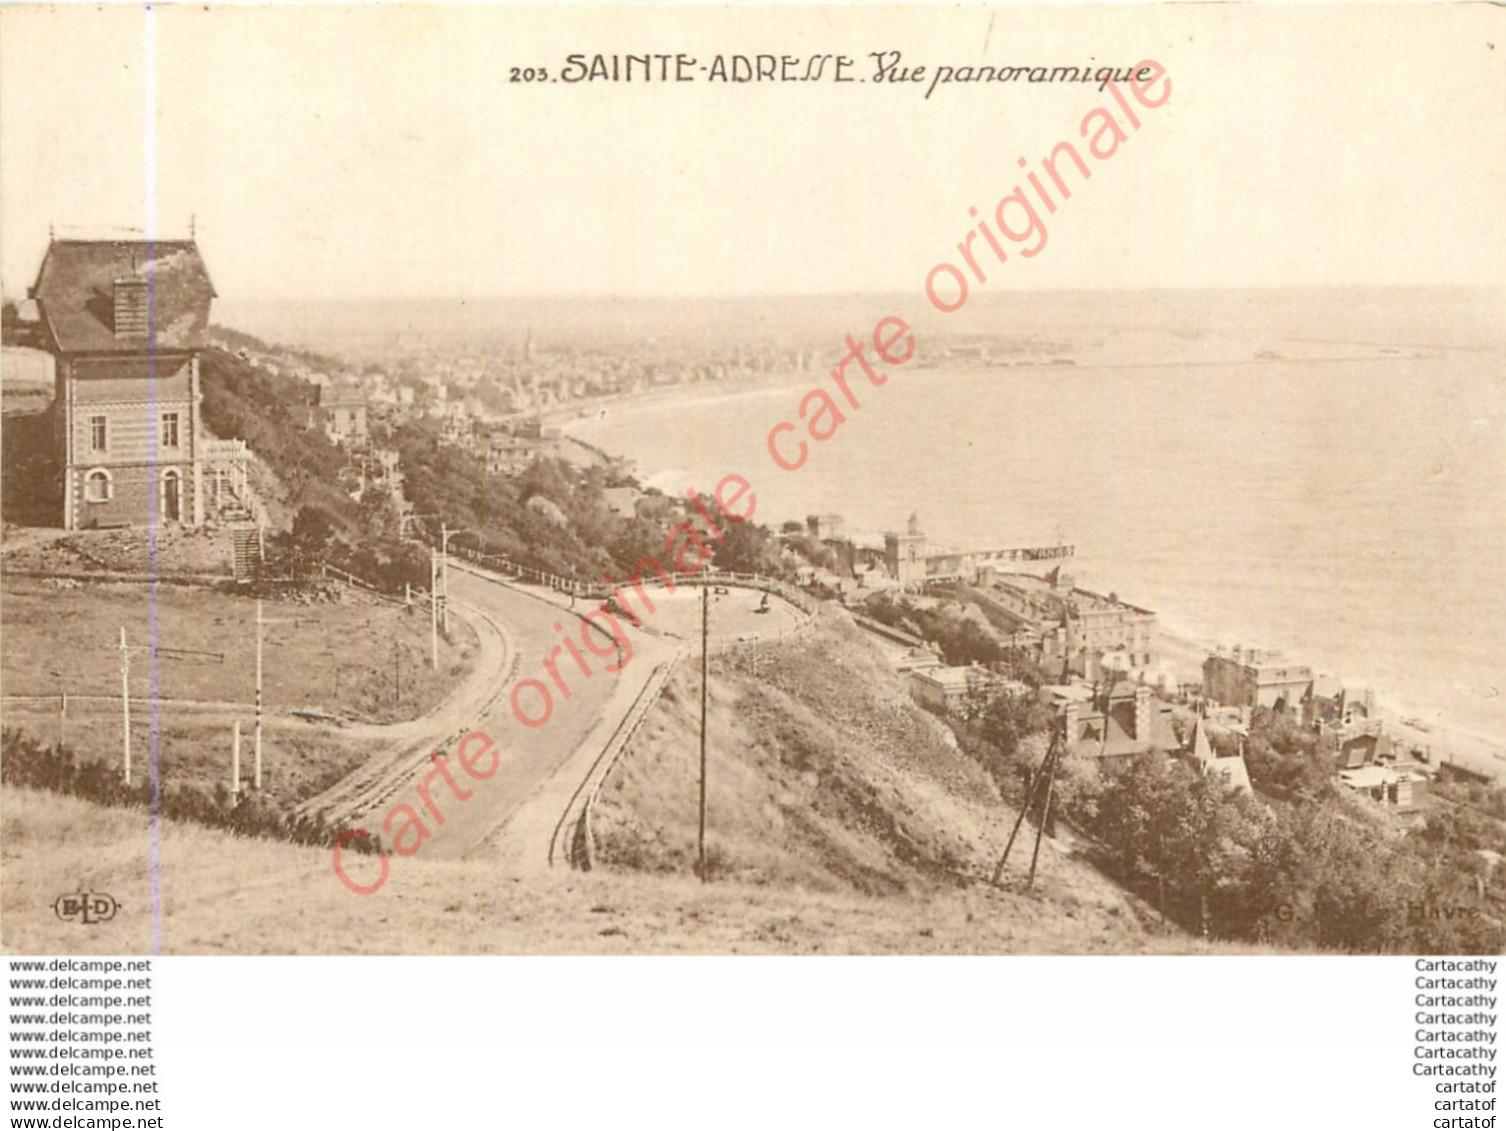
75	291
1230	767
1235	773
1202	750
1088	734
1368	777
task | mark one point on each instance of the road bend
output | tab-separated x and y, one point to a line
518	631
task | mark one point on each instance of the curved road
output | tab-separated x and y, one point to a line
529	756
512	815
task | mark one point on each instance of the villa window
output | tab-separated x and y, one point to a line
97	486
97	434
169	429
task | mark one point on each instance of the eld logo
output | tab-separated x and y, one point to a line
86	907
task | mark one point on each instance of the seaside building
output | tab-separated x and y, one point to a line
1330	704
915	562
949	690
124	321
1371	745
1077	631
1231	767
1401	789
1073	630
823	527
339	411
904	554
508	455
1257	678
1117	723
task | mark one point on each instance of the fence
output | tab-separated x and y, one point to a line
133	577
419	596
580	850
596	591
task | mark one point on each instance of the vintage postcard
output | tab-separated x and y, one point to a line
753	480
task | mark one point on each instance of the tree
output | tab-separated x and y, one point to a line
747	548
313	528
1009	719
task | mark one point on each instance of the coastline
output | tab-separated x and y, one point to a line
1181	650
1447	741
723	390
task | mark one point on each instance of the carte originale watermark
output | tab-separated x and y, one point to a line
1017	218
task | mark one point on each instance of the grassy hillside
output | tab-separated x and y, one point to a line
242	402
824	775
223	894
355	657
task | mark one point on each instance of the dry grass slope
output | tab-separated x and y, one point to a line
824	776
343	659
226	895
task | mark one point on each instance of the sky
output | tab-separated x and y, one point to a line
383	152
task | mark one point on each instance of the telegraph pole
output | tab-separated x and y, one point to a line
235	760
705	670
1045	818
434	608
444	576
445	534
125	701
1041	783
261	623
125	686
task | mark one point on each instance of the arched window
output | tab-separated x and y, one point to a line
98	487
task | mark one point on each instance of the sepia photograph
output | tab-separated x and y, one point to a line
654	480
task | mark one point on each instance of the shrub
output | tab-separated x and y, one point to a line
26	762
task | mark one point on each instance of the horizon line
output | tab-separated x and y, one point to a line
859	293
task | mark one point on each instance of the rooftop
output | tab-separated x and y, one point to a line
951	679
1112	736
341	396
1368	777
75	292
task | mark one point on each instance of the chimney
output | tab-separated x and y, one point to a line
1142	712
130	308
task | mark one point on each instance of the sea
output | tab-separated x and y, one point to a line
1317	471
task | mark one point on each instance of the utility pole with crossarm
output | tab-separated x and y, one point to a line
160	653
261	623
